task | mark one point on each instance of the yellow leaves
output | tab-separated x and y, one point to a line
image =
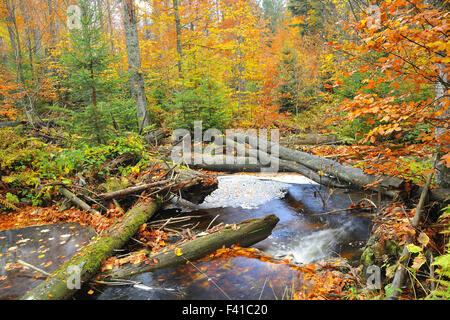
178	252
439	45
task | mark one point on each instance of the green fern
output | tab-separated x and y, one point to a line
442	263
5	203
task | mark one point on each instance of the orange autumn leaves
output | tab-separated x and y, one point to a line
410	46
32	216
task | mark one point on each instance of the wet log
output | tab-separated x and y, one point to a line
61	284
354	176
243	234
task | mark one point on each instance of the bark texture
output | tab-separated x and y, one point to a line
137	86
244	234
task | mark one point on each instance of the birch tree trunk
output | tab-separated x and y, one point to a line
178	30
137	85
442	177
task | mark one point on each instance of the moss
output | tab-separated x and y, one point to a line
91	256
391	248
368	257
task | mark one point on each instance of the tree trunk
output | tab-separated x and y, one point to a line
347	174
178	30
442	177
243	234
89	259
110	25
137	85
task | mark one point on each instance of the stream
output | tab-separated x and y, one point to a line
303	234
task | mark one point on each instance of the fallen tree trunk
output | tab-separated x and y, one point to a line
253	161
77	201
132	190
244	234
354	176
87	262
309	139
247	164
231	164
10	124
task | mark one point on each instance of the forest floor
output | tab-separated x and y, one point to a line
392	223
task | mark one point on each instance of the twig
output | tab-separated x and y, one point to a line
27	265
341	210
209	225
262	290
209	279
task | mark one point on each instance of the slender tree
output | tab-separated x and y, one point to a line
137	85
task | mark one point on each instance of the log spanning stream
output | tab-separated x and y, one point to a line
303	234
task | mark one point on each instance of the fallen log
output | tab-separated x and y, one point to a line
255	160
132	190
87	262
309	139
354	176
10	124
231	164
248	164
244	234
77	201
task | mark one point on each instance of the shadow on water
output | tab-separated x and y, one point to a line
302	233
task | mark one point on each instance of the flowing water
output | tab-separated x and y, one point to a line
303	234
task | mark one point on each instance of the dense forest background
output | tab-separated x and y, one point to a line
369	72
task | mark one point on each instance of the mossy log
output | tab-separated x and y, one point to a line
87	262
243	234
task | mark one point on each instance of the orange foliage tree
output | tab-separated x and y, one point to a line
407	41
